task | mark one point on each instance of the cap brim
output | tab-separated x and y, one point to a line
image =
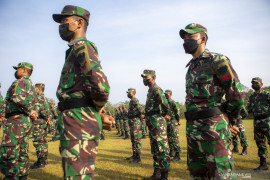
15	67
58	17
183	32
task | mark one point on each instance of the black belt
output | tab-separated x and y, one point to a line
152	113
193	115
75	103
263	116
8	115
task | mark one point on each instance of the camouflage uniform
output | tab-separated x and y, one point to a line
83	87
143	125
21	97
134	113
156	108
125	122
39	129
117	125
242	135
208	78
2	108
173	127
54	122
259	106
121	122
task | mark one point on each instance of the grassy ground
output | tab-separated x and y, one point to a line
111	163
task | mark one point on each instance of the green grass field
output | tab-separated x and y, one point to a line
111	163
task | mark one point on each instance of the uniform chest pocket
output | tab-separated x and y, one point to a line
67	76
203	86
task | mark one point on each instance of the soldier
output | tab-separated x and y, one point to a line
117	124
39	127
125	122
241	134
2	109
21	97
259	106
54	121
156	113
134	114
209	77
121	121
83	91
173	126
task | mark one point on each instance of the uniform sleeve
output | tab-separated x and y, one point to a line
44	110
22	96
163	102
176	111
231	85
249	109
139	108
96	81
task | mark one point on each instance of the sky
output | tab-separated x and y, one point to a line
135	35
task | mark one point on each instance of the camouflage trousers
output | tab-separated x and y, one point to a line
121	123
134	125
261	133
117	125
157	127
143	127
79	138
14	159
53	127
40	140
210	159
126	127
173	135
242	134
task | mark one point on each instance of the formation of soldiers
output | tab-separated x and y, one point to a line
214	112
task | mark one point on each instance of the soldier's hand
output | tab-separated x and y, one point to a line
2	119
234	130
33	115
167	118
49	122
142	116
179	123
107	121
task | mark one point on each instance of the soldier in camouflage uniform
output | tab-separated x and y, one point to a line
39	127
173	126
134	114
241	134
143	125
121	121
125	122
54	121
156	113
259	106
2	109
21	97
83	91
209	77
117	123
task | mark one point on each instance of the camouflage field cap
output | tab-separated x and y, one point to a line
257	79
131	90
24	65
40	85
192	29
70	10
148	72
168	92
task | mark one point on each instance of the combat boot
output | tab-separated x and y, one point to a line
171	153
52	140
263	165
156	175
176	157
235	149
164	176
23	177
126	137
38	164
122	134
136	159
46	161
117	133
143	137
131	157
244	151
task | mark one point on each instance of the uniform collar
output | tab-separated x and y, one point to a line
203	55
77	40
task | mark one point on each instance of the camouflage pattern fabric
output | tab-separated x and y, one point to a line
21	97
157	104
2	108
125	121
208	78
116	117
54	120
39	129
82	76
134	112
242	134
143	127
259	104
173	127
